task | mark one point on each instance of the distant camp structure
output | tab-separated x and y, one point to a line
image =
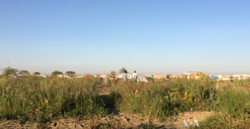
192	74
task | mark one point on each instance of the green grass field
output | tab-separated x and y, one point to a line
43	99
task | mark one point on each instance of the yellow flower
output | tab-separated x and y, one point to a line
46	100
166	97
136	92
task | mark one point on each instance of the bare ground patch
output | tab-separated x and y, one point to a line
122	120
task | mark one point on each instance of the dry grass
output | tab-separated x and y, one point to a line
42	99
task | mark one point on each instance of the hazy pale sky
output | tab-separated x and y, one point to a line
150	36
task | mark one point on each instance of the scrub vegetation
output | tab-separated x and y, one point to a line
38	99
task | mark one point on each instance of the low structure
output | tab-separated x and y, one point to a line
225	78
41	75
192	74
219	76
63	75
80	76
103	76
129	75
176	76
241	76
141	78
160	76
213	77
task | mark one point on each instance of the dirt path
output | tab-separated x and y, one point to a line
122	121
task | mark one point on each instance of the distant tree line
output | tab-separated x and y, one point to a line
24	72
37	73
10	71
68	73
14	72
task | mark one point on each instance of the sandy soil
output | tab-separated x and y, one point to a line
121	120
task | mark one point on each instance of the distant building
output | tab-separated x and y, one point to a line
213	77
80	76
192	74
129	75
103	76
64	76
219	76
41	75
226	77
241	76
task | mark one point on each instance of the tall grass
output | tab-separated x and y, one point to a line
233	109
41	99
164	98
242	82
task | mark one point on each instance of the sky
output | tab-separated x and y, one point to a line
149	36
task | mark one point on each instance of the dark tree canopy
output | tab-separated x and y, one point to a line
122	70
56	73
9	71
70	73
37	73
24	72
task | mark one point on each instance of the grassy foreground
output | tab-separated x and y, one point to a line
165	99
43	99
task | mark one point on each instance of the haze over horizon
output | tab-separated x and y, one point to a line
156	37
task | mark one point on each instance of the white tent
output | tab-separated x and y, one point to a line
241	76
141	78
129	75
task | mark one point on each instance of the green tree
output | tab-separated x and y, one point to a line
9	71
56	73
24	72
37	73
70	73
122	70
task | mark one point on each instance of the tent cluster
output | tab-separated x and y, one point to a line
192	74
232	77
140	77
